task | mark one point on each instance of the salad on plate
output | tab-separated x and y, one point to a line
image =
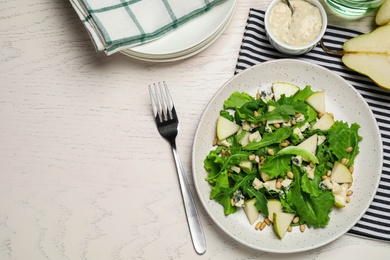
282	158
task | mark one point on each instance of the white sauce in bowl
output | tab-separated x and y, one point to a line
297	30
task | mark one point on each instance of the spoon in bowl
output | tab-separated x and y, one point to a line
289	6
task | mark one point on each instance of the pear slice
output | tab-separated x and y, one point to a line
251	211
369	54
341	196
284	88
245	139
226	128
375	66
246	164
296	150
383	15
281	222
274	206
264	176
317	101
340	173
310	144
324	123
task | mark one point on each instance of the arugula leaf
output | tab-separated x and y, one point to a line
261	200
215	164
280	112
226	115
221	193
278	136
245	112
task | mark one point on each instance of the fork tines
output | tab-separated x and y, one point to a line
162	102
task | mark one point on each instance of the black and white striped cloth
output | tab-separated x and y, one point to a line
256	48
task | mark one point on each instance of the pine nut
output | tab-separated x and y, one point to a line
329	173
215	141
278	185
258	96
311	165
255	113
319	115
344	161
232	202
257	227
297	115
261	158
349	192
351	168
295	220
277	125
302	228
271	152
324	177
348	199
349	149
293	122
252	157
283	144
290	175
289	229
263	225
267	221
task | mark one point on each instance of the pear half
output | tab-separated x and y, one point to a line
383	15
369	54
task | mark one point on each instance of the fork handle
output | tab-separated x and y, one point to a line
193	219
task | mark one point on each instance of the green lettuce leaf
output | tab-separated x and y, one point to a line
313	210
277	166
341	137
237	99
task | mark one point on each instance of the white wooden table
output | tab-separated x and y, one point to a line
83	171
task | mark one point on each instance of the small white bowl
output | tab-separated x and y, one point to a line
295	50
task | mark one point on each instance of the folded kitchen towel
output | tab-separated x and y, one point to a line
114	25
255	48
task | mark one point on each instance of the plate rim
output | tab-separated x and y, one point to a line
318	67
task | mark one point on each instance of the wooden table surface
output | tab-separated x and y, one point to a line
83	171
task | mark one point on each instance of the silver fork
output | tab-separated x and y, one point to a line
168	127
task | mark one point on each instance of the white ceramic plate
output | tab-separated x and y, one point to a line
346	104
187	37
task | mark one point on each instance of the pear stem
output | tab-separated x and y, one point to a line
326	49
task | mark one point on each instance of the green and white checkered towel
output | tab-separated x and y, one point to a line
114	25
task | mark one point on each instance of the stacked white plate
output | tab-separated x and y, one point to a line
189	39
